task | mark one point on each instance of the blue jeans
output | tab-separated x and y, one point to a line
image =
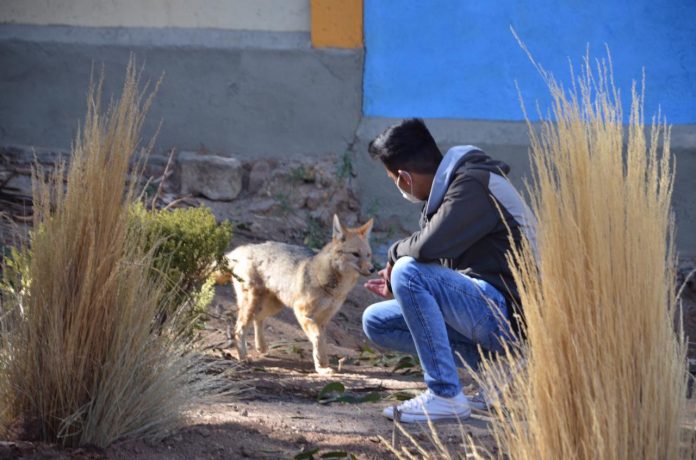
436	313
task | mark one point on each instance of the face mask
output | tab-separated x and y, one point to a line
409	196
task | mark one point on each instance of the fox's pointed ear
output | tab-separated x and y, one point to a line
339	232
365	230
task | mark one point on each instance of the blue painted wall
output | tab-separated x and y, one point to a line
458	59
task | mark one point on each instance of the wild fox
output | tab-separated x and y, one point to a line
269	275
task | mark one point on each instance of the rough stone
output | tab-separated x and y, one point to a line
20	185
155	166
214	177
262	206
323	216
27	155
315	198
259	175
386	222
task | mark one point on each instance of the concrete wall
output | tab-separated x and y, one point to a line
268	15
235	92
242	77
458	59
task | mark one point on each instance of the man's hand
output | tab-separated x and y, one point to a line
380	286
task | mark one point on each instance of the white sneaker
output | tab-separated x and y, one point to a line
428	406
480	400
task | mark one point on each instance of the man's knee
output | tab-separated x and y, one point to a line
372	322
403	271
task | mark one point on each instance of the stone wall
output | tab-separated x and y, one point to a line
287	200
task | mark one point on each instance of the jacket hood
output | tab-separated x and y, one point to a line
461	156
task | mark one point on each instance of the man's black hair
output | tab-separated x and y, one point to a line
408	146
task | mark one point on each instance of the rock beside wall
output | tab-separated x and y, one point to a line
288	200
15	177
292	200
211	176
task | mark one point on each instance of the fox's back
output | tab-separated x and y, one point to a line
274	265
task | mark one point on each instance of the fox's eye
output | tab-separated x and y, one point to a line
356	254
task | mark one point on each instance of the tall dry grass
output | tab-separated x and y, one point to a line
603	373
87	362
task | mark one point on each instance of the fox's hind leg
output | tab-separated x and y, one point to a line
270	306
240	300
248	303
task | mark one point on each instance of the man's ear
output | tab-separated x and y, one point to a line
339	232
365	230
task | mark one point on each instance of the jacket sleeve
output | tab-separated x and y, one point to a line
464	217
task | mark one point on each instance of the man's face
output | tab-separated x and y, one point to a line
402	180
407	184
392	176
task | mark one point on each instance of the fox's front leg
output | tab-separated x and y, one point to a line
317	338
259	340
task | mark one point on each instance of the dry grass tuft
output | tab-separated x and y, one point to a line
603	373
85	363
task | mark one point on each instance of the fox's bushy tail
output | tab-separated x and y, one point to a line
222	273
222	277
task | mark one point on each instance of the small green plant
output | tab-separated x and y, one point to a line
387	237
313	454
336	392
302	174
289	347
188	244
245	226
401	396
14	280
399	363
345	166
283	203
374	207
316	234
407	365
149	191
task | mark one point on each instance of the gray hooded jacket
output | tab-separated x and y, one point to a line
464	225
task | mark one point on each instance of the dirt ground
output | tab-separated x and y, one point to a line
279	417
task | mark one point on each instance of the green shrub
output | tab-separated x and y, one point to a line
14	283
188	245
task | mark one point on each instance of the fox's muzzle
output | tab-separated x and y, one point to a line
369	271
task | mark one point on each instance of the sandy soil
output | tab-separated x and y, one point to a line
279	416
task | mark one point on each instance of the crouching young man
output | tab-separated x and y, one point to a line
450	286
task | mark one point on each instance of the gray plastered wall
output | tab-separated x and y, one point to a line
251	94
234	92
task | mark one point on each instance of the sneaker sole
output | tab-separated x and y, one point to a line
480	407
408	418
